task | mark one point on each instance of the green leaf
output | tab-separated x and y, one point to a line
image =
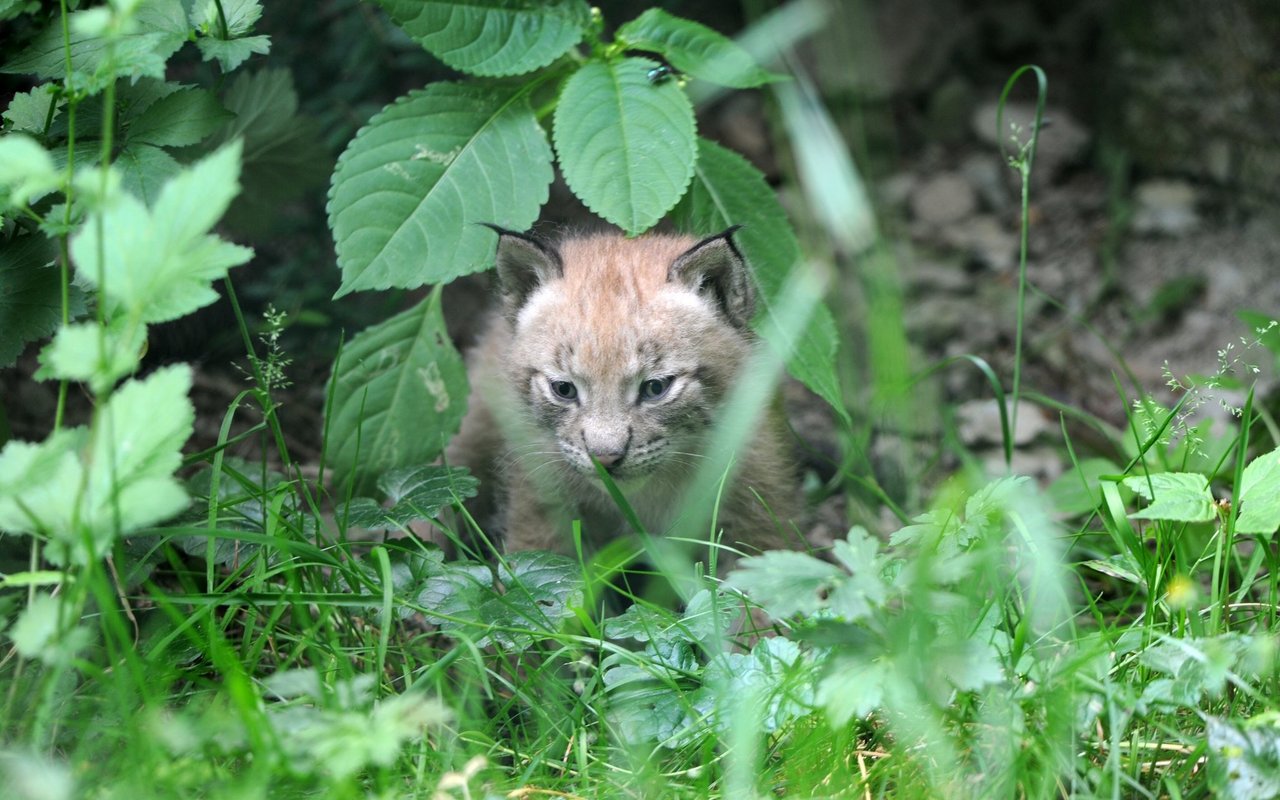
493	37
775	674
159	264
28	111
135	452
857	596
540	591
1175	496
27	171
36	633
830	180
144	170
786	583
133	99
10	9
726	191
38	484
1117	565
967	664
402	375
31	304
97	60
82	490
283	155
649	695
854	687
409	189
1259	495
1244	760
231	46
240	16
415	493
182	118
88	352
1078	491
693	48
231	53
36	627
626	145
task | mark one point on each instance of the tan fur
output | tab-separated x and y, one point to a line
613	319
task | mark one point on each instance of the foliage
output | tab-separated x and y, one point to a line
411	189
215	626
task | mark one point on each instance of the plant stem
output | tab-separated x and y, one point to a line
1023	163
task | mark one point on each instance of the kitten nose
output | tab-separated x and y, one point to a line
608	458
607	447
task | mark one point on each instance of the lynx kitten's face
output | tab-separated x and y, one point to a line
624	348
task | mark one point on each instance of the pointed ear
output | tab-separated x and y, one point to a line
716	269
524	264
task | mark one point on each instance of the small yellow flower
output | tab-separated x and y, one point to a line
1181	592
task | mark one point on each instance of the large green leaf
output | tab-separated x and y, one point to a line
144	170
81	489
99	356
30	305
29	111
137	450
1174	496
158	264
787	583
1259	495
181	118
229	47
159	29
626	144
728	191
399	393
413	493
1244	757
493	37
539	592
854	686
693	48
411	186
27	171
283	156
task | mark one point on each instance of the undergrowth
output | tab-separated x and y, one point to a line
210	626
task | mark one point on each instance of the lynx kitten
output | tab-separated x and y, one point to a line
622	350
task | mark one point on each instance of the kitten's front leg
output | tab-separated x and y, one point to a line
532	524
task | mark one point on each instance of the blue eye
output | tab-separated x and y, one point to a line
564	390
655	388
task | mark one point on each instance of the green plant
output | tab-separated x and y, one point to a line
1113	636
411	189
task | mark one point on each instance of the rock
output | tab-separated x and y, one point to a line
986	240
1044	464
929	277
943	199
979	423
1062	142
935	321
895	191
1228	289
1165	208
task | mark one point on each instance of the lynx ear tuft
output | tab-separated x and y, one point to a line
524	264
716	269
